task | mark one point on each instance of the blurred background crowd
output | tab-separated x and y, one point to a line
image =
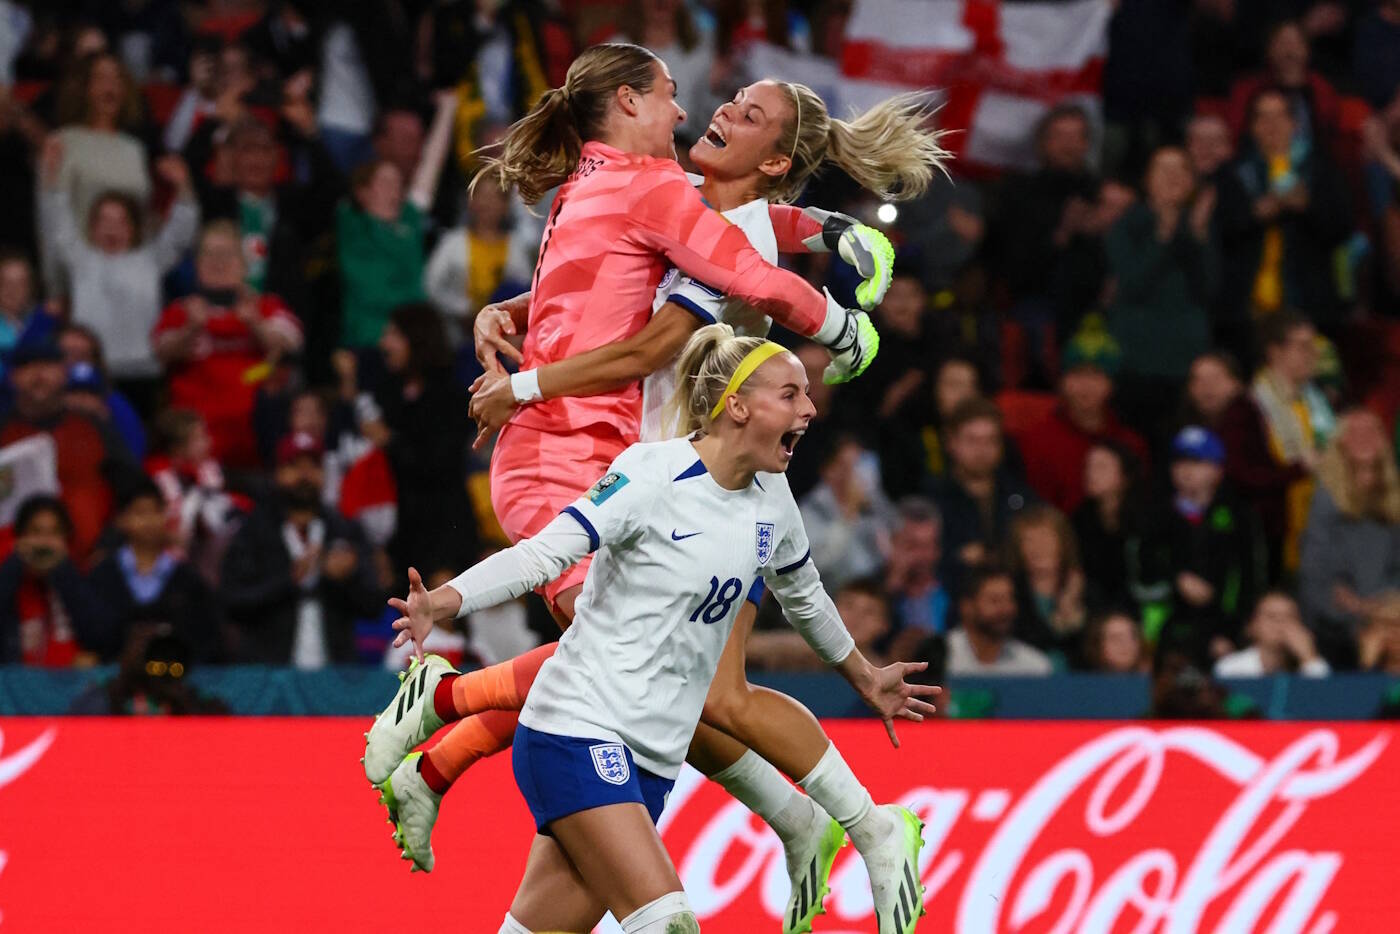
1135	409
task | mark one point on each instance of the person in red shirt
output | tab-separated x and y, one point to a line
47	612
1056	447
90	457
217	344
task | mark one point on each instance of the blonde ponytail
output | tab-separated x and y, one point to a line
890	150
541	149
703	370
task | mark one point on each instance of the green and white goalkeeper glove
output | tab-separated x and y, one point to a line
866	249
851	339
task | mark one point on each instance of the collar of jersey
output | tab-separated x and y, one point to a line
697	469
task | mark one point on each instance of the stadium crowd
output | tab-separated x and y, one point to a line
1135	408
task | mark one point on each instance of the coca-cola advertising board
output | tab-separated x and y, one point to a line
1043	828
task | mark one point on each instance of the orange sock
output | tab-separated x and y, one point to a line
474	738
502	686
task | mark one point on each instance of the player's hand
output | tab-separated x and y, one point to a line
872	255
893	698
492	331
417	619
493	403
853	350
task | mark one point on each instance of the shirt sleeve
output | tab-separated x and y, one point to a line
612	510
797	586
695	297
522	567
672	219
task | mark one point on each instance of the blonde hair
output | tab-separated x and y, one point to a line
890	149
1335	474
703	370
542	148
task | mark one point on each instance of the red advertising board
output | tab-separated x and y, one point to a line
1035	828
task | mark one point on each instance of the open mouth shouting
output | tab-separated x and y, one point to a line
789	439
714	137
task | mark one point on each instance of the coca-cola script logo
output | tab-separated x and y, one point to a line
15	765
1173	830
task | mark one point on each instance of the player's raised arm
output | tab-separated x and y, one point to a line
813	230
798	588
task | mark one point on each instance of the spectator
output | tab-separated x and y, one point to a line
200	514
48	616
1380	639
1203	550
284	41
87	371
1283	208
1374	62
380	235
1216	399
219	76
847	516
1296	414
825	428
1047	234
152	681
296	574
22	319
1083	418
115	278
920	598
1351	543
1380	148
955	380
739	23
472	263
1164	267
669	29
217	343
426	453
90	456
895	388
978	498
1147	80
943	228
1209	146
1279	643
982	644
145	581
1311	99
99	107
284	224
1044	558
1108	524
864	609
1113	644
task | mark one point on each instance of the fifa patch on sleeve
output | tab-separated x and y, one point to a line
600	491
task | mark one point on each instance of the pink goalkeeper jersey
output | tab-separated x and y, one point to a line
617	225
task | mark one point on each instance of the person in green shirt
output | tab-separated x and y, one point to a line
379	235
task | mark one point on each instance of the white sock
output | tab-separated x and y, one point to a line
762	789
669	914
512	926
835	787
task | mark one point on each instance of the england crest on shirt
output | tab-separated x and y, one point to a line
763	541
610	762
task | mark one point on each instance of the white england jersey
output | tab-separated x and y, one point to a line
710	307
675	556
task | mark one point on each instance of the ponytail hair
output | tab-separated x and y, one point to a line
890	150
541	149
703	370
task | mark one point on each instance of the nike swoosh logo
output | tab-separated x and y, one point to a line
681	538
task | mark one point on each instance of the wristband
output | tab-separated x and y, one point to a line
526	386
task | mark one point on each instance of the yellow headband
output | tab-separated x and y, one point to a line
752	361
